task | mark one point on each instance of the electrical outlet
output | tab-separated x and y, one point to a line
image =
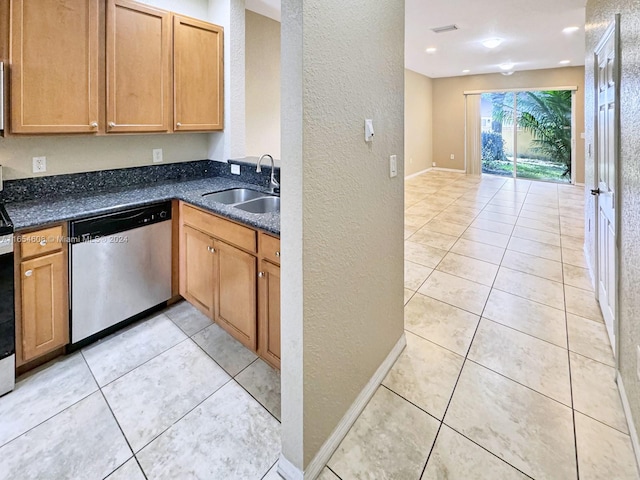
393	166
235	169
453	157
433	164
157	155
39	164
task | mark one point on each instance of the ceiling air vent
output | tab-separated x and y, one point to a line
446	28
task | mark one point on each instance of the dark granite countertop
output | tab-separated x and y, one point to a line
40	212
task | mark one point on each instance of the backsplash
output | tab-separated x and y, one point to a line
56	186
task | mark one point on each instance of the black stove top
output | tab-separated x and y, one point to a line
6	227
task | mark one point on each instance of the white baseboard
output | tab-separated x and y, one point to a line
592	274
633	433
456	170
290	472
421	172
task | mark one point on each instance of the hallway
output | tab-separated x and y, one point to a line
508	372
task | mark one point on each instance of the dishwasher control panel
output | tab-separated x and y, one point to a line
120	221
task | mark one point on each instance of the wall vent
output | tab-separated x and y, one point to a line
446	28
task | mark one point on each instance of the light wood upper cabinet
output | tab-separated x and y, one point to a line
54	66
198	75
138	67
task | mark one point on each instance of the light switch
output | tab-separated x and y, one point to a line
368	130
235	169
393	166
157	155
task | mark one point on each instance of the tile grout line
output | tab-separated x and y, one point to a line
458	378
232	378
113	415
573	410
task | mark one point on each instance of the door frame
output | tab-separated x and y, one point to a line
572	88
612	29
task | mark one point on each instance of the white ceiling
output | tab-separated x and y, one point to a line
531	30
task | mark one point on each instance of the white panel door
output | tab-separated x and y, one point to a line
607	134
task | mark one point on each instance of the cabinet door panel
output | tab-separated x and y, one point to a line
54	71
138	68
269	306
45	324
236	296
197	269
197	75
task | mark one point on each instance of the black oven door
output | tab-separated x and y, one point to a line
7	298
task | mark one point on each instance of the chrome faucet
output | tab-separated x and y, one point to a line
275	186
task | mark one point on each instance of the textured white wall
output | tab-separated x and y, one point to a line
262	81
342	216
418	122
230	14
599	14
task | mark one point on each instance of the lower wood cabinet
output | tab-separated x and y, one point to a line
219	275
42	324
235	293
269	313
197	269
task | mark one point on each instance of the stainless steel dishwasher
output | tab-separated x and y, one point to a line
120	267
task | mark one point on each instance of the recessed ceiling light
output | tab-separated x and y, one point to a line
466	71
492	42
431	50
571	29
507	66
565	62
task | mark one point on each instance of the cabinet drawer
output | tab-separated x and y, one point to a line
230	232
270	248
41	242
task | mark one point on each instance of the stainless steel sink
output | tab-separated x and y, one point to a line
261	205
235	195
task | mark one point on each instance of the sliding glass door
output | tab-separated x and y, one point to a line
527	134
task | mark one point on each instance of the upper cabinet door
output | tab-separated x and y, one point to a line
54	71
198	75
138	68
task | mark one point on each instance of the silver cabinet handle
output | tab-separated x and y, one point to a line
278	254
178	124
211	250
94	124
43	243
28	273
112	124
260	274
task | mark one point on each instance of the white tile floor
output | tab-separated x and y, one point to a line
171	397
507	371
